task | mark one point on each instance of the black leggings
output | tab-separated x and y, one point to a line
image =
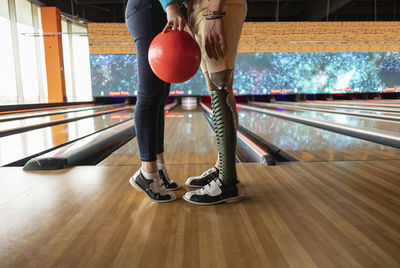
145	19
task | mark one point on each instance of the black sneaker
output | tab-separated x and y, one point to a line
169	185
204	179
154	188
214	193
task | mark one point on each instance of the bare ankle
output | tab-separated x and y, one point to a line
150	167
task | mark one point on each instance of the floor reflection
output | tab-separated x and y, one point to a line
295	137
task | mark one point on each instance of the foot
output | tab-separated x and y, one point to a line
204	179
153	188
169	185
214	193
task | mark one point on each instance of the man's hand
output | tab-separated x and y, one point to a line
175	19
214	38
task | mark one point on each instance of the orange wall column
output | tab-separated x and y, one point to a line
51	23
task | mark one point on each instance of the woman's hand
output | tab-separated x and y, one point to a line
214	38
175	19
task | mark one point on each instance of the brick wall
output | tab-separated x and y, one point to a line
114	38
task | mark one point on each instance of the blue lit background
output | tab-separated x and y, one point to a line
259	73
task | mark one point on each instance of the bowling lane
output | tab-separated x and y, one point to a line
360	103
373	101
34	142
343	106
313	144
328	108
29	114
377	125
372	112
188	139
44	109
22	123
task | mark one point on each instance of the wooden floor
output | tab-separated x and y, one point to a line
189	139
301	214
307	143
26	144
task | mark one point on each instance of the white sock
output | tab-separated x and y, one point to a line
149	176
161	166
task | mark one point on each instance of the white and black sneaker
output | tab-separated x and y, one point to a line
204	179
169	184
153	188
214	193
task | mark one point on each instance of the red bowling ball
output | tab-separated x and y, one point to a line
174	56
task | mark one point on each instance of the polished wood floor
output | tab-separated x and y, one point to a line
372	124
188	139
26	144
300	214
307	143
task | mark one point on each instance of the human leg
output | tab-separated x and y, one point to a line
161	125
213	172
223	189
160	163
145	20
224	125
148	178
230	101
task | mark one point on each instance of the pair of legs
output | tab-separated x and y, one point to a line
145	19
222	180
218	73
149	125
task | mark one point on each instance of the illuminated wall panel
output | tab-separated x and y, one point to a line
268	73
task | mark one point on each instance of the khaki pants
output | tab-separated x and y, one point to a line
233	21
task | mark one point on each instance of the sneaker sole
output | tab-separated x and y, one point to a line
227	200
138	188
